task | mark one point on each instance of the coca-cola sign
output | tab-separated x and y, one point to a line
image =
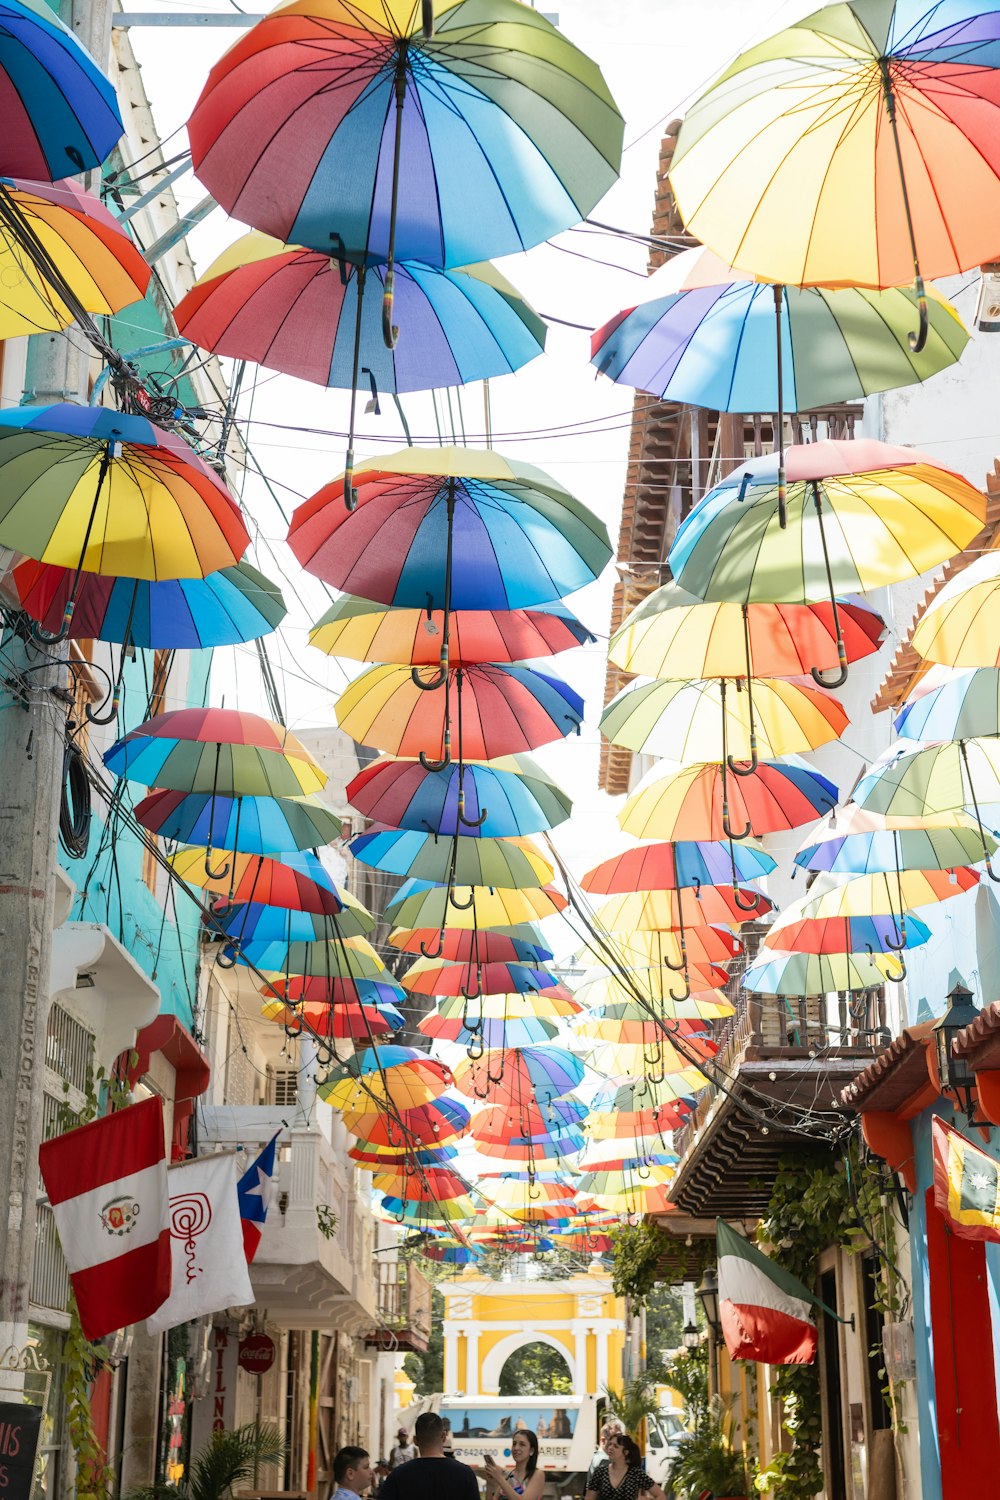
256	1353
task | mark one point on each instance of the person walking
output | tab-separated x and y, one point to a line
352	1474
432	1475
622	1476
404	1452
525	1481
609	1429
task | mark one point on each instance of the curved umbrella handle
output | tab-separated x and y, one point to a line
918	340
473	822
112	713
476	1047
390	333
435	765
752	905
821	679
438	681
745	767
228	956
686	993
475	994
462	905
436	952
730	831
53	637
674	968
215	874
892	978
350	493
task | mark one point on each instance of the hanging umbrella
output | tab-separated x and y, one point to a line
324	958
299	882
722	719
625	1124
960	627
541	1154
611	1009
508	796
780	973
700	803
226	608
252	925
526	1120
627	1095
859	515
659	982
671	634
660	1056
887	891
633	1025
454	1011
873	934
513	863
530	1197
522	944
935	780
60	113
250	825
436	1122
962	708
474	134
364	631
660	948
878	118
450	1253
401	1076
61	229
853	841
648	989
466	907
656	909
538	1074
672	867
472	981
297	311
450	528
99	491
494	710
629	1192
216	750
305	992
340	1022
372	1154
416	1215
495	1032
422	1184
710	336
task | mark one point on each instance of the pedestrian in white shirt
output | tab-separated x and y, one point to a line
404	1451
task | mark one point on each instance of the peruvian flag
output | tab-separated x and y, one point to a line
254	1191
107	1184
766	1313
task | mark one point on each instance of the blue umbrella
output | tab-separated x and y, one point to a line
965	707
497	800
60	115
252	825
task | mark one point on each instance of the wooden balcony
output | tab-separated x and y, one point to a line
403	1306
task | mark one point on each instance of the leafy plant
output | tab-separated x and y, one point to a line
709	1458
637	1251
634	1403
228	1458
687	1372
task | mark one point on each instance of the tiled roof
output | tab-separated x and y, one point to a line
895	1075
980	1042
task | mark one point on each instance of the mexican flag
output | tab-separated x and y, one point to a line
966	1184
766	1313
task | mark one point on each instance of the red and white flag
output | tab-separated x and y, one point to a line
206	1241
107	1184
766	1313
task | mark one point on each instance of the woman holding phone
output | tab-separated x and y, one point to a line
621	1476
525	1481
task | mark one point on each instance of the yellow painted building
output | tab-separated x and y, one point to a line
486	1321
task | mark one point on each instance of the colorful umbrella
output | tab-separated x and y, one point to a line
917	783
60	113
887	891
962	708
671	867
227	608
858	515
520	944
96	490
714	337
642	910
853	841
482	132
418	1215
960	627
216	750
532	1074
338	1021
422	1184
628	1095
530	1197
297	311
84	251
513	863
467	907
699	802
402	1077
673	635
450	528
722	719
436	1122
856	147
250	825
253	924
454	1009
299	882
495	711
875	934
526	1121
364	631
640	1024
779	973
611	1004
510	796
659	948
679	1053
324	958
495	1032
304	991
472	980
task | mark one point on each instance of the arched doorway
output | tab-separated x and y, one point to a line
557	1358
537	1368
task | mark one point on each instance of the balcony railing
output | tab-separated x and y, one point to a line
403	1303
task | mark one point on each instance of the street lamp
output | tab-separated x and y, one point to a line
707	1293
957	1078
691	1336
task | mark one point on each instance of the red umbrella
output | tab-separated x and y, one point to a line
490	945
340	1021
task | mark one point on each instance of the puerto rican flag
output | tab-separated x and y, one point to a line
107	1184
254	1190
765	1311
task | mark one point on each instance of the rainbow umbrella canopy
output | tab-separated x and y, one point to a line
216	750
960	627
514	863
699	802
512	795
365	631
482	133
402	1077
855	841
250	825
60	113
859	146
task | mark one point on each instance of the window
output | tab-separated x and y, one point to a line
282	1087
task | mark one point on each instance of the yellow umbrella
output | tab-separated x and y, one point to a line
600	988
466	907
961	625
885	892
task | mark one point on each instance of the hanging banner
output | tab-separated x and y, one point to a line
206	1243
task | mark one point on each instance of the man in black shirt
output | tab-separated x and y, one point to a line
432	1476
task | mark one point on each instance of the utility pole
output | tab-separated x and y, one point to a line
32	739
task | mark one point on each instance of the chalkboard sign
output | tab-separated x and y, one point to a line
20	1425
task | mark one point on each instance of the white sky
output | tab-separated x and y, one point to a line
656	55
